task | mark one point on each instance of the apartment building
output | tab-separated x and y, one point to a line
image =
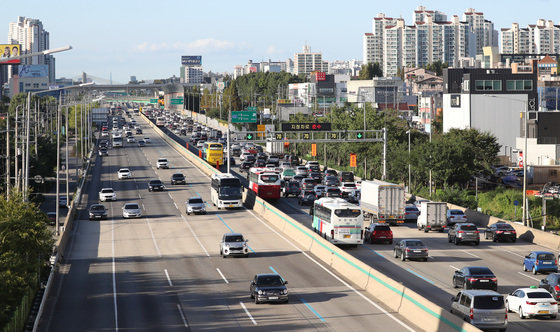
540	38
307	62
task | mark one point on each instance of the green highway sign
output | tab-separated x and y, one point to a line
177	101
153	101
251	108
243	116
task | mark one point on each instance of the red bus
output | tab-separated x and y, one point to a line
264	182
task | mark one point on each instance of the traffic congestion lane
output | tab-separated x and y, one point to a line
433	279
267	251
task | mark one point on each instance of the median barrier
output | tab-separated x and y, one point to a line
398	298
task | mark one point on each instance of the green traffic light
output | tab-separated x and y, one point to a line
249	136
360	135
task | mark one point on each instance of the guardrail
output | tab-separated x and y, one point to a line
398	298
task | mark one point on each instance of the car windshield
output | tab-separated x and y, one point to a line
97	208
411	209
545	257
468	227
123	171
195	201
539	295
414	244
504	226
456	212
270	281
155	182
489	302
234	238
347	213
107	191
131	206
382	228
178	176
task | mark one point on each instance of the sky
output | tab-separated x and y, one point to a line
146	39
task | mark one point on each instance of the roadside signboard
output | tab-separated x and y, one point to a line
177	101
323	126
314	150
353	160
243	117
153	101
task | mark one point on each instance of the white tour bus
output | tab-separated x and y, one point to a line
338	221
226	191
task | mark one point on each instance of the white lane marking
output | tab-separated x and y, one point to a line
182	316
335	276
513	253
248	313
153	237
468	253
175	205
168	279
223	277
169	194
114	274
454	267
523	274
195	236
140	197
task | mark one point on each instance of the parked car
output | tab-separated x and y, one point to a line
156	185
234	244
455	216
463	232
291	188
124	173
195	205
107	194
178	178
552	284
475	277
378	233
97	211
269	287
484	309
540	261
532	302
411	249
131	210
411	212
500	231
306	197
162	163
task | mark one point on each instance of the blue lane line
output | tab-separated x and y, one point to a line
312	310
421	277
272	269
231	230
368	248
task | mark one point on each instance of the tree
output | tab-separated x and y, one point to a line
370	70
437	67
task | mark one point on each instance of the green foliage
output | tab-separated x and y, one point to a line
25	245
370	70
437	67
451	195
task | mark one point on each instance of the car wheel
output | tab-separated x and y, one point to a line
454	283
525	267
252	296
426	230
426	259
477	243
449	238
456	240
514	240
390	242
465	285
188	213
507	307
403	257
256	300
534	269
552	316
494	238
521	314
395	254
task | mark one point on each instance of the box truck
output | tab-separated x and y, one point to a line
383	202
433	216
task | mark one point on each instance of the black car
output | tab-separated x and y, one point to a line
97	211
306	197
552	284
183	132
291	188
269	287
332	192
475	277
260	163
246	165
331	181
139	131
250	158
156	185
500	231
316	176
178	178
330	172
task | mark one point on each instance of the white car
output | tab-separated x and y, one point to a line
131	139
107	194
346	188
162	163
529	302
124	173
147	140
131	210
243	155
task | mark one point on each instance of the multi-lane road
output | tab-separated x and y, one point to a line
433	279
164	272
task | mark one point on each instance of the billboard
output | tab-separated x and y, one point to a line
8	51
33	71
191	60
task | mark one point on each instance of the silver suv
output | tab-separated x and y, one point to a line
484	309
234	244
464	232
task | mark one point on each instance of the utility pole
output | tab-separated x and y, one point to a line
27	134
16	151
384	154
58	162
8	166
67	170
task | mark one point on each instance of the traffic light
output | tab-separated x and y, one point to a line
161	100
249	137
359	135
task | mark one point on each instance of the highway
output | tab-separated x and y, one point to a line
433	279
163	271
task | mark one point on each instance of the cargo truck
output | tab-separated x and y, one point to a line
383	202
433	216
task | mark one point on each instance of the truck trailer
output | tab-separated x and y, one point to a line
383	202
